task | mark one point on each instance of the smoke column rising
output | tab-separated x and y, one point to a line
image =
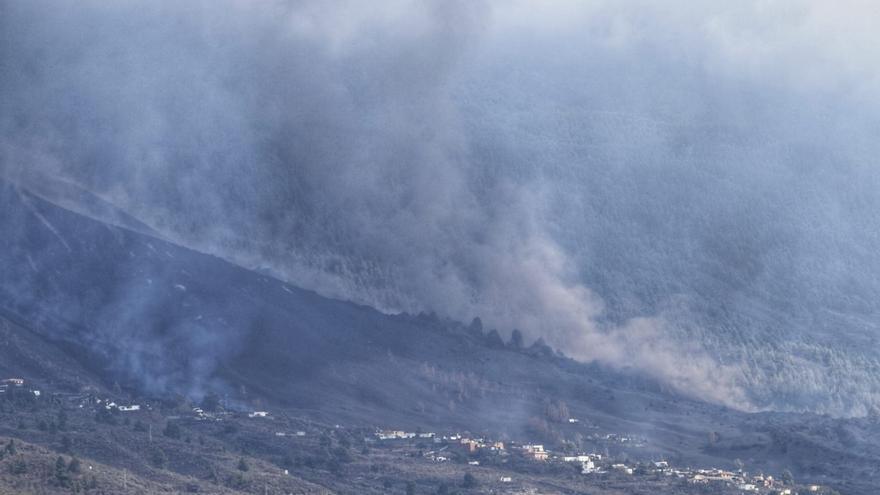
640	186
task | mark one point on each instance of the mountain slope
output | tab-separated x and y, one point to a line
105	304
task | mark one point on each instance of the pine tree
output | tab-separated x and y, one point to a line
61	476
516	339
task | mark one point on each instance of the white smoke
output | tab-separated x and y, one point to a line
634	182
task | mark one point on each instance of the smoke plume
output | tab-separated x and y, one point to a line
642	185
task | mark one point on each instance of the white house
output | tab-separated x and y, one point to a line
576	458
588	467
536	452
623	467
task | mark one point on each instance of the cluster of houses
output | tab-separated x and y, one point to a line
468	444
82	400
535	452
111	405
758	483
740	480
462	444
200	414
588	462
593	463
454	442
616	438
16	383
298	433
403	435
11	382
89	399
445	445
472	445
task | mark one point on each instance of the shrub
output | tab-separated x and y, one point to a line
172	430
557	412
74	466
470	481
158	458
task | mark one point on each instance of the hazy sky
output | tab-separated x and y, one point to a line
641	183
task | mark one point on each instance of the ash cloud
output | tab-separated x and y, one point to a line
639	185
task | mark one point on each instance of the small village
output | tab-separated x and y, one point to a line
457	446
502	465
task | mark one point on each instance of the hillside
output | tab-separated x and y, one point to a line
92	306
33	469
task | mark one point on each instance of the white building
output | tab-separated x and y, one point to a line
623	468
576	458
588	467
